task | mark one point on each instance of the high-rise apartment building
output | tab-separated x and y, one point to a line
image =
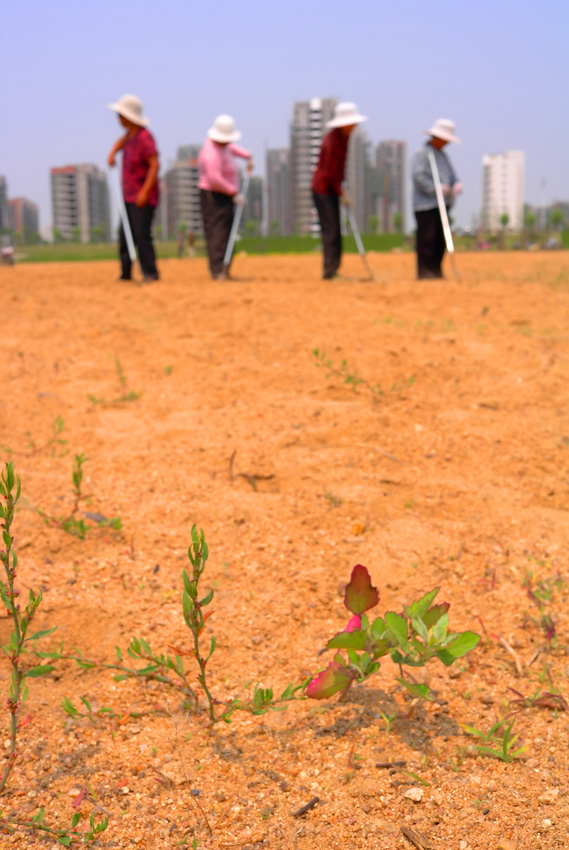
253	211
3	204
278	191
182	193
306	131
23	217
355	177
502	190
390	185
80	202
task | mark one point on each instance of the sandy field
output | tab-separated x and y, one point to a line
453	474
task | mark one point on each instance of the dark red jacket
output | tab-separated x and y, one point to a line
327	179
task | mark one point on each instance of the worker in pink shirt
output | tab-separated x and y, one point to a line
219	187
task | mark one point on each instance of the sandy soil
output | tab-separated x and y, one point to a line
457	475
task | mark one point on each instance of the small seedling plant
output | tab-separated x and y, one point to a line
125	396
343	371
14	651
169	668
72	524
499	742
411	638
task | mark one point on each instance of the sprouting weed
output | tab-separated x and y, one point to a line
349	377
414	637
500	735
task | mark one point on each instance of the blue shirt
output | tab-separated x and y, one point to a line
424	195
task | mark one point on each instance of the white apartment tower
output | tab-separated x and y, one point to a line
503	189
182	192
80	201
278	190
306	132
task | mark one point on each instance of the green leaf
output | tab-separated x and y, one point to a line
42	633
348	640
75	820
207	599
397	627
440	629
463	642
211	648
378	628
420	607
421	691
434	614
331	680
41	670
420	628
68	707
65	840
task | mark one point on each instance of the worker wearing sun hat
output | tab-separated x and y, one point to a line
327	183
139	183
430	234
219	187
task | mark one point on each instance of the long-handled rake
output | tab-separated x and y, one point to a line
443	211
233	231
123	216
359	243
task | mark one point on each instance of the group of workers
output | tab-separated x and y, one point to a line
220	191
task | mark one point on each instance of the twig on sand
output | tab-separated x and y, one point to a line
306	808
416	838
519	666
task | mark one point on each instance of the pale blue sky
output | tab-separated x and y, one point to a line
499	69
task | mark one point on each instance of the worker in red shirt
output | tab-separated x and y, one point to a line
327	183
139	184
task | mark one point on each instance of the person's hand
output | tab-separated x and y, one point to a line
457	189
142	198
239	200
345	199
111	159
250	166
446	190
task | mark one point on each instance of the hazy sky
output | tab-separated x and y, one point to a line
500	69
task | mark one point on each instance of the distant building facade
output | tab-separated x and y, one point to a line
307	129
182	196
4	225
390	185
356	176
80	202
278	191
23	217
253	211
503	190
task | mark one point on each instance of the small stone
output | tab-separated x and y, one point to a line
73	792
505	844
7	744
546	823
463	845
220	796
134	729
549	796
455	672
284	786
532	763
414	794
437	798
487	699
267	811
125	789
32	793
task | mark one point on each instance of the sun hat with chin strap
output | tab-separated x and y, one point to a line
130	107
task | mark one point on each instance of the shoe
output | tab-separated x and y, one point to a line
122	277
150	278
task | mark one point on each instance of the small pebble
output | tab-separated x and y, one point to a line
506	844
414	794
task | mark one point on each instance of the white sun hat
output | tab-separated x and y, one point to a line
443	128
130	107
223	130
346	114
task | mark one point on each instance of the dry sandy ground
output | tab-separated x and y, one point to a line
455	476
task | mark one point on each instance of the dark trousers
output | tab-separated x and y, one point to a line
328	209
140	220
430	243
217	215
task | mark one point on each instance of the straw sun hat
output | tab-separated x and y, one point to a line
345	115
443	128
130	107
223	130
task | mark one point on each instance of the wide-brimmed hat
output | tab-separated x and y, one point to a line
345	115
223	130
130	107
443	128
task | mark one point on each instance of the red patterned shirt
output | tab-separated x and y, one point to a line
137	151
329	172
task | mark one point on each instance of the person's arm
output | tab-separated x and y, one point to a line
118	146
244	154
151	177
422	174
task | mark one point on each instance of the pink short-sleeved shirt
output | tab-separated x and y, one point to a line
137	151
